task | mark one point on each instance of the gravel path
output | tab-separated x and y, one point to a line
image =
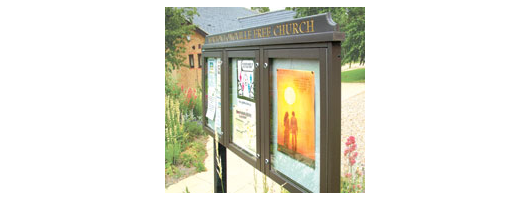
352	119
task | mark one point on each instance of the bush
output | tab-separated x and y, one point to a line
194	128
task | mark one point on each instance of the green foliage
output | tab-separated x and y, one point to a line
348	185
191	102
194	128
353	76
353	45
261	9
200	167
171	86
179	25
351	21
198	107
186	159
337	13
194	155
182	129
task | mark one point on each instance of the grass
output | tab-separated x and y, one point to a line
352	76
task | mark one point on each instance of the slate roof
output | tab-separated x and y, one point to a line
266	18
214	20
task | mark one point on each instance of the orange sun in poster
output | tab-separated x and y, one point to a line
290	96
296	114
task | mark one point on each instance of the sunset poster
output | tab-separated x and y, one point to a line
296	114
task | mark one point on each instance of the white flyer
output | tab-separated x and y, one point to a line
211	107
244	132
210	112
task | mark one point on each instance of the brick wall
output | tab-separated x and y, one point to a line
191	77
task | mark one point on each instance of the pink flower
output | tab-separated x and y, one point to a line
353	147
359	186
355	155
348	175
352	161
350	141
189	94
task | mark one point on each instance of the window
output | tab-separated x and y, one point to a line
191	61
199	56
243	104
294	119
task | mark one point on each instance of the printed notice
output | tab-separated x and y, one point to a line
245	79
244	133
210	111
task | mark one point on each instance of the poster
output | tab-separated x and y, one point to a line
218	95
210	111
244	132
245	79
296	114
213	110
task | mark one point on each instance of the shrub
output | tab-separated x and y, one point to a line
194	128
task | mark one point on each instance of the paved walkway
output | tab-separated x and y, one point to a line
350	89
240	177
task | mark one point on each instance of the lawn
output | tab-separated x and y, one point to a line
353	76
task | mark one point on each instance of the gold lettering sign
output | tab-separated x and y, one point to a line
285	29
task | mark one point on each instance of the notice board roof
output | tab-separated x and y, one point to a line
316	28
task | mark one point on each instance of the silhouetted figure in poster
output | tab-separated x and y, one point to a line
294	130
286	130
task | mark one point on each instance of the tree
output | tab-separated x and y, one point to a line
178	26
353	45
350	21
261	9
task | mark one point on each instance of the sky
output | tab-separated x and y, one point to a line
273	8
